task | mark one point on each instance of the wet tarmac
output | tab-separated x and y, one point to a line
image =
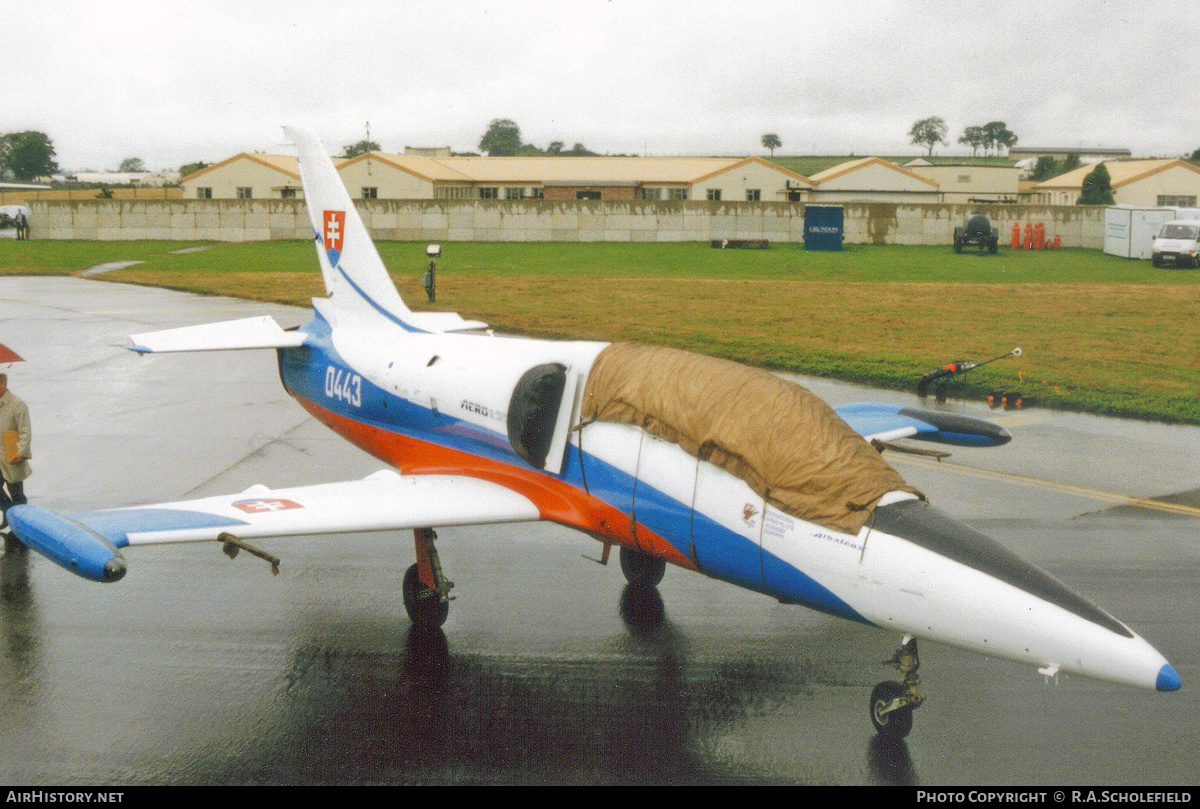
196	669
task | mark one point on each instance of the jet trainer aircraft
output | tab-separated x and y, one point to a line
672	456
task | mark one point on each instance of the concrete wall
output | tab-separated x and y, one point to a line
544	220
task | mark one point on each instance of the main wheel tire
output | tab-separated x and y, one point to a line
429	612
893	725
1156	260
641	569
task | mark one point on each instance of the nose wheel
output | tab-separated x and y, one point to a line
892	703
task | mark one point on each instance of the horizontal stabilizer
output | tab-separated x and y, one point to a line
887	422
251	332
442	322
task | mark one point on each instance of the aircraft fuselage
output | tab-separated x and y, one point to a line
439	404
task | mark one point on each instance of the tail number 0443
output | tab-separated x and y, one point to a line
343	385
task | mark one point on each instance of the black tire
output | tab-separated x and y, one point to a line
898	723
425	613
641	569
994	245
1156	260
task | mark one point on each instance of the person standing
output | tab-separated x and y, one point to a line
22	226
14	456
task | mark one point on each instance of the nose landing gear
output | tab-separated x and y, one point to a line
892	703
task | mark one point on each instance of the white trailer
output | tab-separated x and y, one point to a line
1129	231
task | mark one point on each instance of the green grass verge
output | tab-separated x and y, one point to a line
1101	334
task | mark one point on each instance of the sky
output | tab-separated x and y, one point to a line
174	82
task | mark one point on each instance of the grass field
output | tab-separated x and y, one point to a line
1099	333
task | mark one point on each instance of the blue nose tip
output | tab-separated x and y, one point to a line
1168	680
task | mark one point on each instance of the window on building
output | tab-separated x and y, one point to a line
650	193
677	193
245	192
537	193
514	193
1176	201
753	194
489	192
964	178
714	195
454	192
587	195
287	193
203	193
370	192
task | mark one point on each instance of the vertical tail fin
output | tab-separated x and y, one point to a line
356	280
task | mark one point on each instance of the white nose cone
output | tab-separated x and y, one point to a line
952	584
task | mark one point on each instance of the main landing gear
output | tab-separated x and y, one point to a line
892	703
426	589
642	569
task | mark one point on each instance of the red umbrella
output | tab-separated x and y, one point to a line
8	355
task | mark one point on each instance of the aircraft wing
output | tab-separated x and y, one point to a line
89	544
887	422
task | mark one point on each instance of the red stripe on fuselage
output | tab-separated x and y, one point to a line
557	500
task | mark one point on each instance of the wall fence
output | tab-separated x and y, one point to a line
543	220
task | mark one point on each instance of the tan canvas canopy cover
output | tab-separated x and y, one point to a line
785	442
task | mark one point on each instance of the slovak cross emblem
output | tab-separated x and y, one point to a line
333	229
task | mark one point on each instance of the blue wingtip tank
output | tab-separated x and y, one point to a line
67	543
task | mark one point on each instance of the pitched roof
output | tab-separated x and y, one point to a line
862	163
1121	172
558	170
282	163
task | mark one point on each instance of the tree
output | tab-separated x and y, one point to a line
997	135
503	138
1195	155
131	164
1072	162
1045	168
1097	188
771	142
579	150
555	148
928	132
973	136
191	168
362	147
28	155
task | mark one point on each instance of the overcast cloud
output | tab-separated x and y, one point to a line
175	82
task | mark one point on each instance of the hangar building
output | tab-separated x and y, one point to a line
1141	183
377	175
873	179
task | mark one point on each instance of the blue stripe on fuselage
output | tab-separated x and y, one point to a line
735	559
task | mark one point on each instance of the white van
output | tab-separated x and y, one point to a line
1177	241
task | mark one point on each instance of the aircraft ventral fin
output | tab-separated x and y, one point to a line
251	332
89	544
